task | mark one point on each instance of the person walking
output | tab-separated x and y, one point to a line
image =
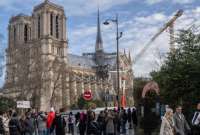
41	123
134	119
196	121
92	126
59	123
167	123
123	121
180	124
130	118
82	123
101	122
110	129
71	123
49	121
14	125
22	123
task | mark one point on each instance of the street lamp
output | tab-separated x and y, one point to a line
118	36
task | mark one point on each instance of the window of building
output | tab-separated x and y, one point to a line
29	33
25	33
38	26
14	29
51	24
52	49
57	27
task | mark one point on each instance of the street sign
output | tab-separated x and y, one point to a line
23	104
87	95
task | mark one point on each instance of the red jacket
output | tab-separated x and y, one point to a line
50	119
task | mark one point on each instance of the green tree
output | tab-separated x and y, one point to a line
6	104
179	77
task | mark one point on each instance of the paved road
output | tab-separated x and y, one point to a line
128	132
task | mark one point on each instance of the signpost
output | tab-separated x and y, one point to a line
23	104
87	95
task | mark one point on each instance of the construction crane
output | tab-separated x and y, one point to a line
170	25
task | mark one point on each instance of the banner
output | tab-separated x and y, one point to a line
23	104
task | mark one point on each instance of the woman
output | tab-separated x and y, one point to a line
110	129
167	123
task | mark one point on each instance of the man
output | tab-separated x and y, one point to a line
71	123
196	121
29	124
14	125
180	124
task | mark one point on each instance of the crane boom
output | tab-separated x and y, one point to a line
169	24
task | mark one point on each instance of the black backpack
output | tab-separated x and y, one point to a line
2	130
93	128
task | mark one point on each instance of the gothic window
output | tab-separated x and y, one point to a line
57	27
38	26
52	49
51	24
29	33
14	33
26	33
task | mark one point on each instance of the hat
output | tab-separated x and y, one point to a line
52	109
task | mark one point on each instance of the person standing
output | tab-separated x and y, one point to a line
50	119
82	123
110	129
59	123
92	125
196	121
134	118
22	123
167	123
180	124
71	123
2	128
123	118
29	124
41	123
101	122
130	118
14	125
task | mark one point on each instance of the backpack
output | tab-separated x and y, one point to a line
70	119
2	129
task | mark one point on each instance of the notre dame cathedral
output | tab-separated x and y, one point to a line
40	69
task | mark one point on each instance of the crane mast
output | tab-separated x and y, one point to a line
170	25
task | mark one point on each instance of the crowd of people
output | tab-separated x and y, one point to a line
107	122
176	123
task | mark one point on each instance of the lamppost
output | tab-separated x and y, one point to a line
118	36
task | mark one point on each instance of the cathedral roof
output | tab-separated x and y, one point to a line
81	61
48	3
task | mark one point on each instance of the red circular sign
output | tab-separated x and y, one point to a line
87	95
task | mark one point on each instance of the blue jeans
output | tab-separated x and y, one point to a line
42	132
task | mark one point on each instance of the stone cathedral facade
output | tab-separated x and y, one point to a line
40	69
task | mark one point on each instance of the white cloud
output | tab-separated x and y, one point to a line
138	30
72	7
183	1
151	2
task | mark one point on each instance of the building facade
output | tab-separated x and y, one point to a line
40	69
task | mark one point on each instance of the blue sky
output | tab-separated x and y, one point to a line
139	20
